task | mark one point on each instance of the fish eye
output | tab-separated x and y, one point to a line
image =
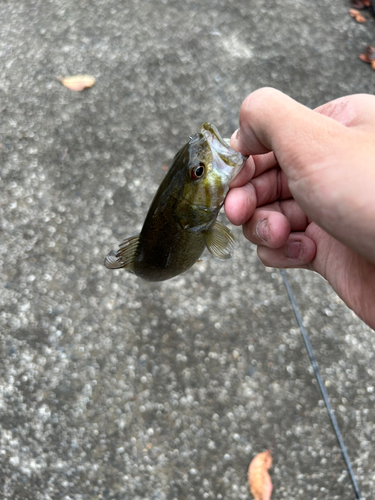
197	171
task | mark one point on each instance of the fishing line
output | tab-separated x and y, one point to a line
304	335
320	383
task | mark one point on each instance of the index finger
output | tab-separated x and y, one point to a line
254	166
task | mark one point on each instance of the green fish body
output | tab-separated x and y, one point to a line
181	221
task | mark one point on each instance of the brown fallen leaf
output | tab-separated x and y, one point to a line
369	56
360	4
260	483
78	82
357	16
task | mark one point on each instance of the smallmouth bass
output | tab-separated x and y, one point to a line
181	221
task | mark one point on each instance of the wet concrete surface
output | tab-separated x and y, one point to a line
115	388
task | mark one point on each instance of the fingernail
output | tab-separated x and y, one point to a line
262	229
235	135
293	249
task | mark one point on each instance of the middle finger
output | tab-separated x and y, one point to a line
271	186
272	224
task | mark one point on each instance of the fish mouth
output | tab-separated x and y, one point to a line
225	159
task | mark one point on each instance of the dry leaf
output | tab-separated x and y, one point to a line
260	483
78	82
357	16
369	56
360	4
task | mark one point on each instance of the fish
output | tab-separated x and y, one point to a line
182	219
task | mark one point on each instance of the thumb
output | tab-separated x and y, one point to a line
300	137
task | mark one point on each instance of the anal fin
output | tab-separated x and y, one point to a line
125	255
220	242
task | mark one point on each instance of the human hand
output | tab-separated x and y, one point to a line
306	196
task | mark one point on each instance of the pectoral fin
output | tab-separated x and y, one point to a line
220	241
125	255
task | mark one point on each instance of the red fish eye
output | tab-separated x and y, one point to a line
197	171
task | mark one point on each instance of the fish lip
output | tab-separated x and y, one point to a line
210	133
225	159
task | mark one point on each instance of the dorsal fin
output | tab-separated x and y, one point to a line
125	255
